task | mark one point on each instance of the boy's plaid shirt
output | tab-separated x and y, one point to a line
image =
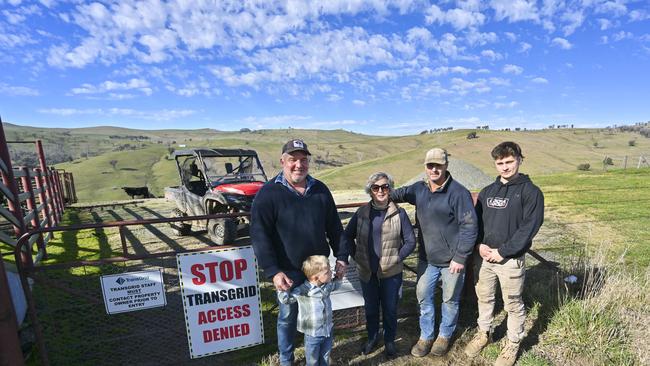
314	307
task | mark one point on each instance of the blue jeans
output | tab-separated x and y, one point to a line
317	350
384	292
452	287
286	330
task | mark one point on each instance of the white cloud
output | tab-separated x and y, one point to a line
279	121
358	102
616	8
638	15
140	85
574	20
514	10
539	80
511	104
511	36
524	47
621	35
334	98
512	69
419	34
499	81
458	18
474	37
329	55
444	70
155	115
384	75
604	23
12	90
447	45
463	87
562	43
490	54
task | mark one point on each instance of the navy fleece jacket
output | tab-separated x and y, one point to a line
446	218
286	228
510	215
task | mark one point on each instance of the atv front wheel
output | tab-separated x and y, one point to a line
222	231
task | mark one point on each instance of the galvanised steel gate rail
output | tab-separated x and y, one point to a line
28	270
30	198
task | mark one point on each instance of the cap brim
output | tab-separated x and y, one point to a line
442	162
289	151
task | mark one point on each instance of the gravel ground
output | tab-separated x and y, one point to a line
467	174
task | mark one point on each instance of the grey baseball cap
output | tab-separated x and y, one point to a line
295	145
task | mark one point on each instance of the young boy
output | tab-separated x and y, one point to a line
314	308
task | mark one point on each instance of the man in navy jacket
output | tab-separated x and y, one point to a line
511	211
447	232
294	217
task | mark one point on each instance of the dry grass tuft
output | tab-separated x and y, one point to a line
605	320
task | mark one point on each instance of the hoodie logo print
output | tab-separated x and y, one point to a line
497	202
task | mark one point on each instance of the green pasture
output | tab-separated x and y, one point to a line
604	209
340	158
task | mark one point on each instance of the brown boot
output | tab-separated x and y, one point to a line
440	346
508	354
422	348
480	340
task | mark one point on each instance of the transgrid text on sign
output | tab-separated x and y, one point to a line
221	300
133	291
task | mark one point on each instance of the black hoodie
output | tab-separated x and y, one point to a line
510	215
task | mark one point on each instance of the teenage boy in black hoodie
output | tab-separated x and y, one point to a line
510	212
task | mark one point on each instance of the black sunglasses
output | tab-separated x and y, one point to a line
375	188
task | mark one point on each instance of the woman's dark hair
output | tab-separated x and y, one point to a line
507	148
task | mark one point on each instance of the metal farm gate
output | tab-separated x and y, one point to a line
70	322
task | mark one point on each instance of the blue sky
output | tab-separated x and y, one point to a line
376	67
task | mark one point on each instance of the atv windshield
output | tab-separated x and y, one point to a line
232	169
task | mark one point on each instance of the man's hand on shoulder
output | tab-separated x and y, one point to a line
282	282
455	267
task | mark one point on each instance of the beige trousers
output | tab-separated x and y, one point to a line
510	275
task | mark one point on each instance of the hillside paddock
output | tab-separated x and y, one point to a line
596	228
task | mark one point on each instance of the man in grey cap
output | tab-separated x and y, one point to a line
447	232
294	217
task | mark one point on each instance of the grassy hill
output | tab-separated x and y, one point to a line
341	158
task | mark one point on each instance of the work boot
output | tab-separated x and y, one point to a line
390	350
508	354
369	345
440	346
480	340
422	348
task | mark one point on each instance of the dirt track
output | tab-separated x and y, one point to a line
159	238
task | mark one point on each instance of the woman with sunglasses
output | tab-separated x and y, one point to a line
379	237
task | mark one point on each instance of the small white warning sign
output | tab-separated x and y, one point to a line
133	291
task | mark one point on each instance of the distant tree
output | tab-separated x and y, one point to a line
608	161
584	166
631	143
471	135
113	163
244	129
424	132
595	144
